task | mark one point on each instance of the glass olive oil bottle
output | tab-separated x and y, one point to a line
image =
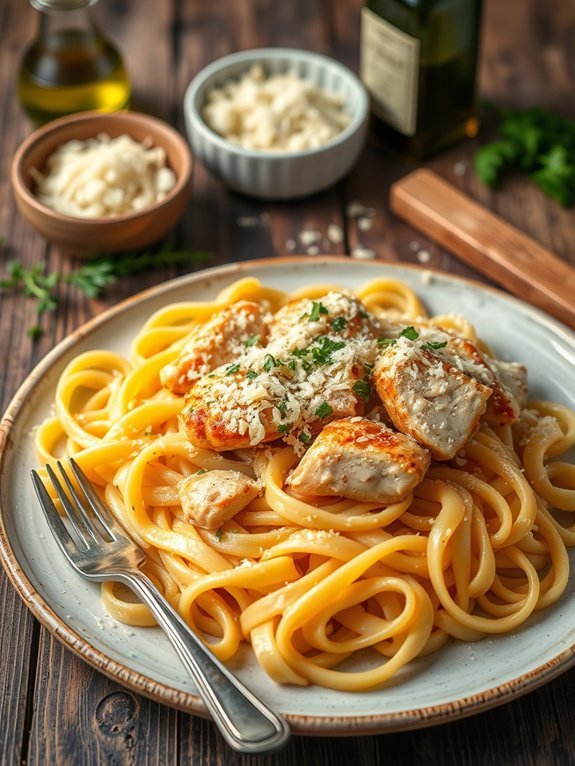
418	60
71	66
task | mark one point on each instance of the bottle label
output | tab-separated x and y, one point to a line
388	68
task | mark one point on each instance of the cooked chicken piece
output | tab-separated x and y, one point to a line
514	378
429	398
219	341
209	499
229	410
502	405
340	316
362	460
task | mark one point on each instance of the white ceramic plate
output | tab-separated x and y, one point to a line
458	680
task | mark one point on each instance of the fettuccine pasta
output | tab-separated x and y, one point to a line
311	582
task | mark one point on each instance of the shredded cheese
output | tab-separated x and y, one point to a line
104	177
279	112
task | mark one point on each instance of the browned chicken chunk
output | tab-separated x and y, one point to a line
209	499
504	380
229	410
428	397
219	341
362	460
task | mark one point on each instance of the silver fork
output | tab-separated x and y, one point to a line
107	553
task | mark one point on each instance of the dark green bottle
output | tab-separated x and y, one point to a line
418	61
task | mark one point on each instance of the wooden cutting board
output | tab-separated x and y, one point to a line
486	242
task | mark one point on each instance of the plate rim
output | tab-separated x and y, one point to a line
311	725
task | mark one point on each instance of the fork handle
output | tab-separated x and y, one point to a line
246	723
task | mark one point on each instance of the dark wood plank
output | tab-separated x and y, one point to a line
80	716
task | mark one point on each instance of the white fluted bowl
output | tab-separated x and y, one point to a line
278	174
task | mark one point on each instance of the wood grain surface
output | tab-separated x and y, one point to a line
55	709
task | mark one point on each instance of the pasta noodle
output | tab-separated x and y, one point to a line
313	584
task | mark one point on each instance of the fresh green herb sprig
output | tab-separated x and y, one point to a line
535	142
91	277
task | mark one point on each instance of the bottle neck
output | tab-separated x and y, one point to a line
61	5
57	17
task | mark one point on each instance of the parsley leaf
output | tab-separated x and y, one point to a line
252	374
270	362
317	308
284	428
324	410
339	323
382	342
91	277
434	345
535	142
219	534
251	341
232	368
304	438
321	353
362	389
410	333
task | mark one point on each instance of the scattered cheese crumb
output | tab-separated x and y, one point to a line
309	236
423	256
334	233
313	250
364	223
354	209
363	253
246	221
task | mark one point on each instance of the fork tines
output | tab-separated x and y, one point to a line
77	501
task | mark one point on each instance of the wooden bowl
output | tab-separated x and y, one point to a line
91	236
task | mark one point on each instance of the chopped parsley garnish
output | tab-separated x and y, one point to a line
218	535
232	368
362	389
410	333
362	313
304	438
325	348
284	428
201	471
324	410
270	362
282	407
383	342
339	323
317	309
434	345
251	341
251	374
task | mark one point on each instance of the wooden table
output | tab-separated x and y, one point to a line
54	709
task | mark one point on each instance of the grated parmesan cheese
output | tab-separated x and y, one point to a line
279	112
104	177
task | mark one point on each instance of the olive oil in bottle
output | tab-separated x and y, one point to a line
418	61
71	66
